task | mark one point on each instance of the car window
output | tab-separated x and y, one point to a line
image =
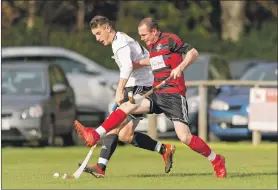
60	77
52	77
252	74
23	81
219	69
270	74
238	68
261	73
68	65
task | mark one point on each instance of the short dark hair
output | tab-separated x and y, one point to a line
150	23
99	21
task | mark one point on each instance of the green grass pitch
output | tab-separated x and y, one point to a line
248	167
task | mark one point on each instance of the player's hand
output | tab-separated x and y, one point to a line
113	57
177	72
119	98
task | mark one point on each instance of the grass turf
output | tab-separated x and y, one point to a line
247	166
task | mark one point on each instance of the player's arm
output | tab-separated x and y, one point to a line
141	63
124	56
177	45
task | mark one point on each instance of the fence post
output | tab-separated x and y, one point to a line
256	134
152	125
256	137
202	118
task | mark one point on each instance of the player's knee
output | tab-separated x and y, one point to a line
127	107
183	132
126	137
138	99
114	132
185	138
126	134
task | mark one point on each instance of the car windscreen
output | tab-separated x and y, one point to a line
23	81
261	73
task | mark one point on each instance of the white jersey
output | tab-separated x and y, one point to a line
125	51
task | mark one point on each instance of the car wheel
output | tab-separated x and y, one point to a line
17	144
70	139
50	141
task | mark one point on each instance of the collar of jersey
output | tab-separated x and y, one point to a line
115	36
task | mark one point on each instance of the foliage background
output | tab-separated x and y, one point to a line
197	22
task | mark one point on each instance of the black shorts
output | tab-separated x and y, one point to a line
173	105
136	90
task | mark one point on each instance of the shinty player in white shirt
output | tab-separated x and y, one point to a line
135	78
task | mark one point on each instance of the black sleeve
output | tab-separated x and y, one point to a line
178	46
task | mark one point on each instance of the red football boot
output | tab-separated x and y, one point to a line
168	157
95	170
89	135
219	166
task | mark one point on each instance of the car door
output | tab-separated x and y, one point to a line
64	101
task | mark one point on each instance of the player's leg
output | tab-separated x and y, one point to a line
141	140
91	136
178	113
197	144
109	145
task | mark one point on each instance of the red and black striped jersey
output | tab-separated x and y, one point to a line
166	55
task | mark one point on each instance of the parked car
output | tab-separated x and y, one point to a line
228	114
90	81
205	67
38	103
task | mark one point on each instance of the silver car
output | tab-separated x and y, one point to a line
38	104
90	81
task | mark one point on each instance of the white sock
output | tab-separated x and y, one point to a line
101	131
158	147
102	161
212	156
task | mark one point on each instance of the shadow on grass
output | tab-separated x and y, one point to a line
236	175
170	175
229	175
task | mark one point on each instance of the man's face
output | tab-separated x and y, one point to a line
102	34
147	35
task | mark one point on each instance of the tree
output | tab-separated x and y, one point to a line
10	13
80	15
270	6
31	14
232	19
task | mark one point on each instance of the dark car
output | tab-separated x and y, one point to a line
229	110
38	104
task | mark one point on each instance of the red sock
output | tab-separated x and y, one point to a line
198	145
114	119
